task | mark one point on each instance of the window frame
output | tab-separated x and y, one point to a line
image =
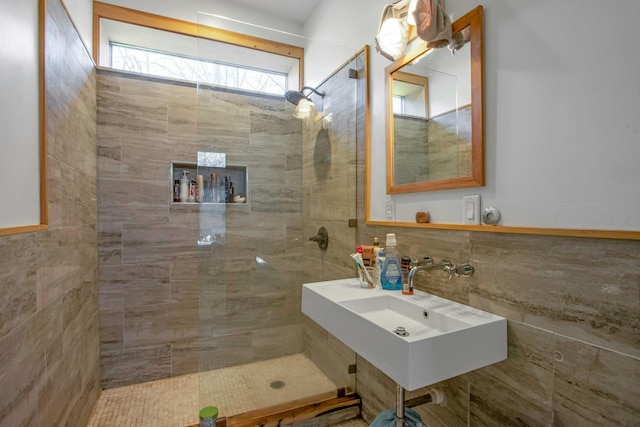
163	23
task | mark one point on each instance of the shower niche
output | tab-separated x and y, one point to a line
220	184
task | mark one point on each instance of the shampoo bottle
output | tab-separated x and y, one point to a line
184	187
376	251
199	188
391	274
213	187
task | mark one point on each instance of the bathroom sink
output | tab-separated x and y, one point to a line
438	338
390	311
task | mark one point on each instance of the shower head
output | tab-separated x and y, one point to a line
294	96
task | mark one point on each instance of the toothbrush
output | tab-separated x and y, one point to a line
357	258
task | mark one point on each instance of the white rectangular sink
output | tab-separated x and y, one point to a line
445	338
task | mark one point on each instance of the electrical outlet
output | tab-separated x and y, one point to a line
390	209
471	210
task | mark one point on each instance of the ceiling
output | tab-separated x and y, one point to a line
292	10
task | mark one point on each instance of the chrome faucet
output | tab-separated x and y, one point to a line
427	264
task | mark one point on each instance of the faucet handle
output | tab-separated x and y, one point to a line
464	270
448	267
420	262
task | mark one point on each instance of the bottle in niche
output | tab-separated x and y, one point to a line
199	189
184	186
221	192
192	192
176	190
391	274
213	188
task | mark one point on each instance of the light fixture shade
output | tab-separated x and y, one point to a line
303	109
411	20
391	40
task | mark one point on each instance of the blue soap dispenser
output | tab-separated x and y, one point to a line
391	275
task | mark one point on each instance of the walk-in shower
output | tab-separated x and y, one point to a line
190	288
250	278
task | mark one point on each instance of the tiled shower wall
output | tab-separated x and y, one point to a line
330	162
448	153
573	306
49	349
168	306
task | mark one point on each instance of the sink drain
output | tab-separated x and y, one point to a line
400	330
277	384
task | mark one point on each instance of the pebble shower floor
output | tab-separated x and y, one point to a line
175	402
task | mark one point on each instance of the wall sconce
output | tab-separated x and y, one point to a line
393	32
432	23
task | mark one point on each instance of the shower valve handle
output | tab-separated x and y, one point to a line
322	238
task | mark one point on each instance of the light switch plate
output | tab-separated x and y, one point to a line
471	210
390	209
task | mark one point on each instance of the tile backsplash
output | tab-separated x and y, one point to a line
573	306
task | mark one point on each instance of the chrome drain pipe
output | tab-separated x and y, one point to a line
433	396
399	406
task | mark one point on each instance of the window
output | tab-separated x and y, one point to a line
141	42
166	64
398	104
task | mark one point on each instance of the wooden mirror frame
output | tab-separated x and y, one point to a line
474	20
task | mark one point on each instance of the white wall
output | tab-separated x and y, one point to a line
562	102
19	114
81	13
562	99
344	27
187	10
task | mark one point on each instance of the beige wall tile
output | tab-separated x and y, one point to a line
135	365
49	359
586	290
133	200
594	386
583	288
18	281
150	325
110	243
519	388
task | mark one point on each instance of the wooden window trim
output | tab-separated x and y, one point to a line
163	23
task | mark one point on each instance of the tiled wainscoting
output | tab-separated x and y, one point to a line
573	306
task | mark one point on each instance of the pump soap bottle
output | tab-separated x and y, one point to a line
184	187
391	274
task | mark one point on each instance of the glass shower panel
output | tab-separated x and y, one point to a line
289	176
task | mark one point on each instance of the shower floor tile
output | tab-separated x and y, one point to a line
175	402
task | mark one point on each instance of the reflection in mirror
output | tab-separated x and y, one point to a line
434	117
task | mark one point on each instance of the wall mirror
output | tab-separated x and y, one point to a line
434	114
